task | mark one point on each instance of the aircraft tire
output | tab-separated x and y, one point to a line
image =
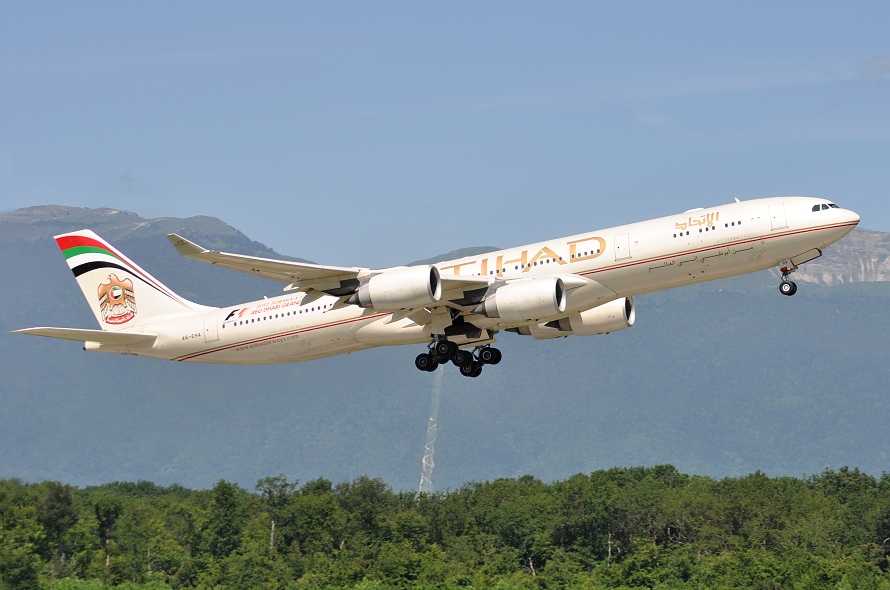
490	356
471	370
425	362
788	288
497	356
445	349
462	358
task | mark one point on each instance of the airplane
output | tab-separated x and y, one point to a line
582	284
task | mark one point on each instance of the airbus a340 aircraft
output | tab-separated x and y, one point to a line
582	284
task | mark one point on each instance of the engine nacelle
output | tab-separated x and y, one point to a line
400	288
521	301
609	317
540	331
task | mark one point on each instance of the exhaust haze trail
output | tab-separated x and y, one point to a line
429	449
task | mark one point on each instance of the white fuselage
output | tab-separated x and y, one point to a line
682	249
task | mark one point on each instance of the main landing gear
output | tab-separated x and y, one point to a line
469	363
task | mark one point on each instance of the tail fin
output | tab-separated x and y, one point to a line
118	291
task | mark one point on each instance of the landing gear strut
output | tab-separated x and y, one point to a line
470	363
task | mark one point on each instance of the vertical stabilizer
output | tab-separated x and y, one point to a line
118	291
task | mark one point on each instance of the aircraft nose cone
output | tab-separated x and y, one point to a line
854	217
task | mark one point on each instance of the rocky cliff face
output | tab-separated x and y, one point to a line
862	256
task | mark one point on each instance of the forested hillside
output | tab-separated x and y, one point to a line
620	528
719	379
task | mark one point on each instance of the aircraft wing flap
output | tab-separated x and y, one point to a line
100	336
283	271
464	290
457	282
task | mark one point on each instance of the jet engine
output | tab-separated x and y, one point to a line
609	317
400	288
525	300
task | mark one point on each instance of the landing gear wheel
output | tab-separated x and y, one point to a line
445	349
472	370
787	288
425	362
462	358
490	356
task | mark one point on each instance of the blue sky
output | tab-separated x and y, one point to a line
374	134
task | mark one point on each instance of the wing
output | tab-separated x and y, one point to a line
336	280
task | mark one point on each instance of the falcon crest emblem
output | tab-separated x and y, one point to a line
117	301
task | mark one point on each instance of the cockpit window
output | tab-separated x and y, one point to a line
833	206
815	207
824	206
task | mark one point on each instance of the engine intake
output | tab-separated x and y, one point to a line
400	288
525	300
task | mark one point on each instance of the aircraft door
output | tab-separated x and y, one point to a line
777	216
622	247
210	329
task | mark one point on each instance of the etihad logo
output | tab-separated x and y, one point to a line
117	302
578	250
704	220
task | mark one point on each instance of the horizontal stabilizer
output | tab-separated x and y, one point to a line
100	336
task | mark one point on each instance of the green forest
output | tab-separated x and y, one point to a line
644	527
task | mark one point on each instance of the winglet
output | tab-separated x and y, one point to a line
186	247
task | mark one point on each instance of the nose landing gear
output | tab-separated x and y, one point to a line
787	287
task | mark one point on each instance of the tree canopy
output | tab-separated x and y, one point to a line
642	527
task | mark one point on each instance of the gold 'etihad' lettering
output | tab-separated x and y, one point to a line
708	219
545	252
521	260
592	247
456	267
573	249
